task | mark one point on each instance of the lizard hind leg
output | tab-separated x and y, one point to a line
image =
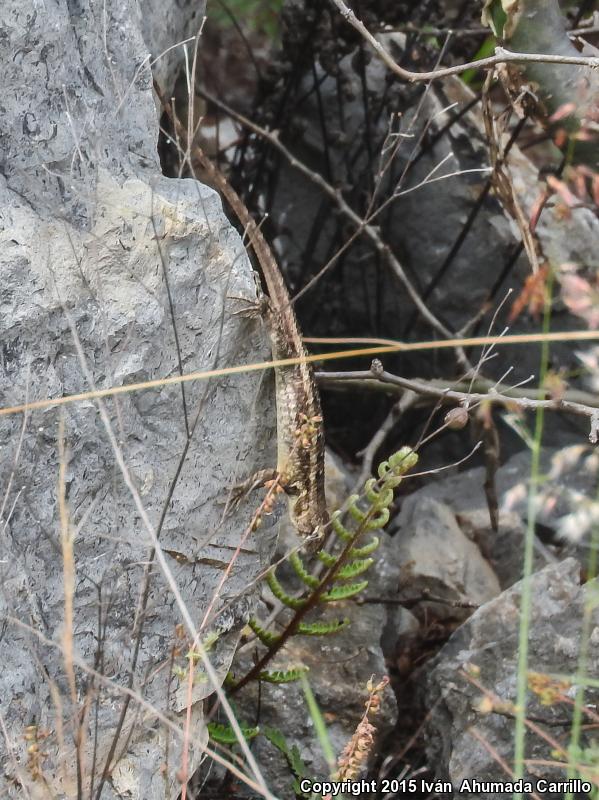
252	307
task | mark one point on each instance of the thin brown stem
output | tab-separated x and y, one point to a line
502	56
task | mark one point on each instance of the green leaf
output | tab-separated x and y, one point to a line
358	565
267	638
321	627
356	512
283	675
399	462
328	559
366	550
343	591
280	593
494	16
338	526
291	754
229	680
354	568
224	733
301	572
378	522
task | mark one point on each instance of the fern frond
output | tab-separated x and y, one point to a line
328	559
357	513
366	550
370	512
224	733
340	530
283	675
379	521
276	588
398	463
321	627
292	754
354	568
267	638
343	591
229	680
302	573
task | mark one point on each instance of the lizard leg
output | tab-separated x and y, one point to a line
251	308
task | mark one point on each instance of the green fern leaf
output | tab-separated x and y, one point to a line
321	628
379	497
302	573
357	565
328	559
339	528
292	754
275	587
354	568
267	638
401	461
283	675
229	680
366	550
357	513
379	521
224	733
343	591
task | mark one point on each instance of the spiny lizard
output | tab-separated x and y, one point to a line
300	438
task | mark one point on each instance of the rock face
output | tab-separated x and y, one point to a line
565	510
436	556
111	274
480	662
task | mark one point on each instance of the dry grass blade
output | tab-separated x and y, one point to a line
389	346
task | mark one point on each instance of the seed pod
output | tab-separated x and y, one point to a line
456	418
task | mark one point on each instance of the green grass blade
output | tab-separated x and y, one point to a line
319	725
526	599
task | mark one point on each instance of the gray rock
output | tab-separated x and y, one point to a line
165	26
89	231
565	508
437	557
486	649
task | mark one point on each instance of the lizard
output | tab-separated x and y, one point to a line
300	434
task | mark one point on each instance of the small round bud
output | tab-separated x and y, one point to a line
456	418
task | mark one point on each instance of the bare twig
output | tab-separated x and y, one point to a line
362	226
502	56
385	346
519	398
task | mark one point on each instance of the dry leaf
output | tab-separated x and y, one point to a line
532	296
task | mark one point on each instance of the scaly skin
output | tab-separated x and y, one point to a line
300	437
